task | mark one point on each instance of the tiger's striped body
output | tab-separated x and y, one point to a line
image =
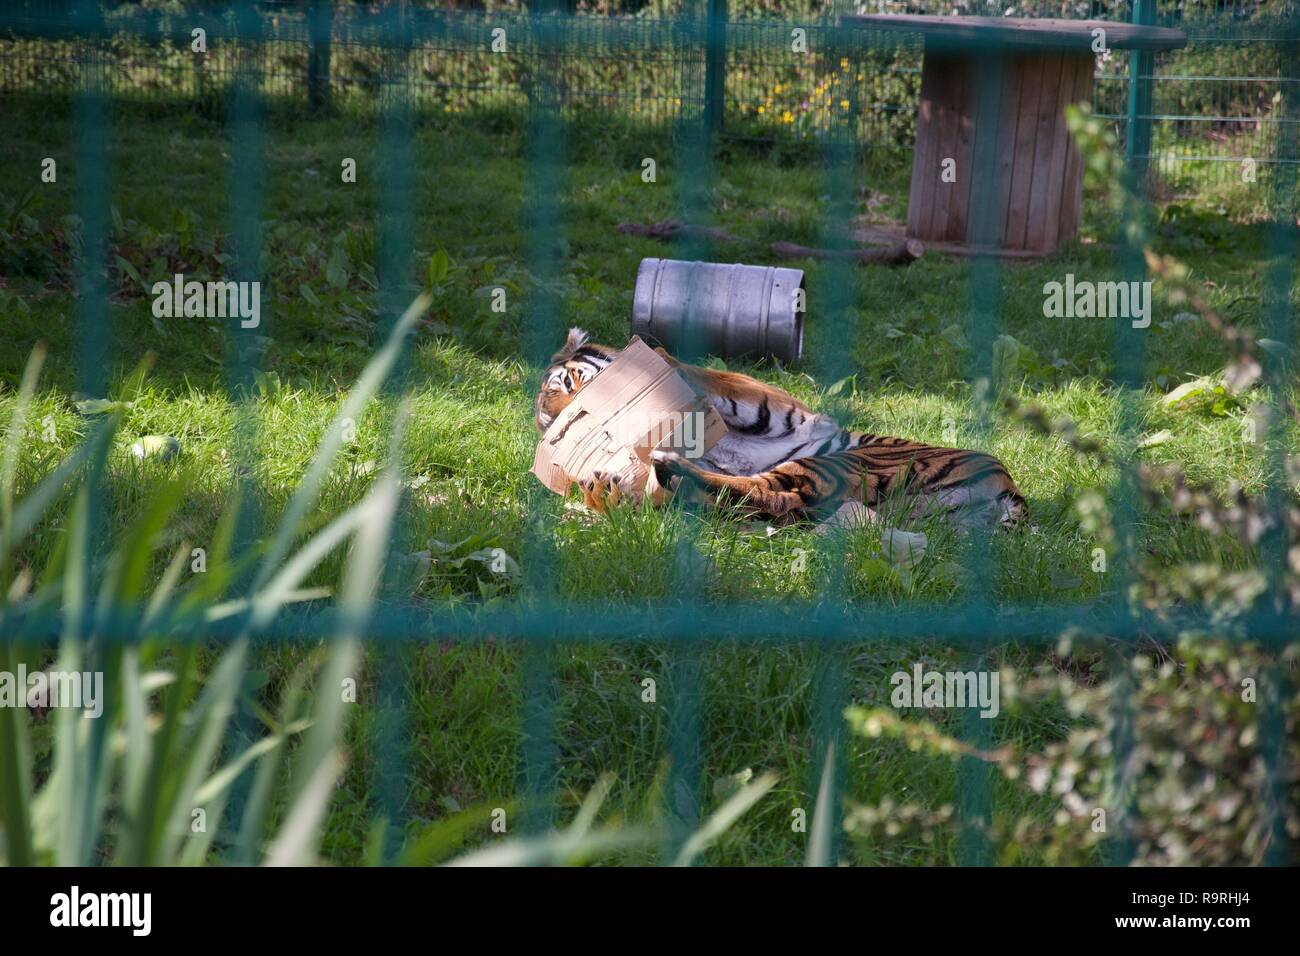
784	460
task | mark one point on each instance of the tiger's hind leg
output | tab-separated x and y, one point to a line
792	487
980	494
970	488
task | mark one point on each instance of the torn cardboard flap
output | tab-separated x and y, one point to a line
637	403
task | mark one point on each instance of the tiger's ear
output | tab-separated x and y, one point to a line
576	340
663	352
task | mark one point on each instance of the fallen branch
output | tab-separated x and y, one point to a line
898	254
671	229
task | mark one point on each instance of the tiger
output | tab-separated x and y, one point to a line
781	460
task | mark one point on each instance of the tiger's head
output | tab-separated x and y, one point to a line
572	367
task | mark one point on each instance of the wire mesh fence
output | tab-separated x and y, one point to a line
1211	105
1214	104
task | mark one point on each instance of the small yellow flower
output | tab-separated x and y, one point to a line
762	109
844	104
786	117
777	89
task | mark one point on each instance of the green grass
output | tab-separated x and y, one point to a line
470	440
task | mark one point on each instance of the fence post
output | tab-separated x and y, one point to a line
715	68
320	30
1137	138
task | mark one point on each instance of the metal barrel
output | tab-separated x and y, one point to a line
733	310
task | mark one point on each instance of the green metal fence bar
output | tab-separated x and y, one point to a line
1128	358
837	335
1138	138
984	306
321	14
692	180
92	200
715	89
243	348
1280	324
396	173
94	334
668	622
543	330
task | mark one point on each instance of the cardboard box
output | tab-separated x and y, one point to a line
637	403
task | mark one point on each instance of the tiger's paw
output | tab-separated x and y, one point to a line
605	490
671	464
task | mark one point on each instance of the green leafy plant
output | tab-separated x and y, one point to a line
148	781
